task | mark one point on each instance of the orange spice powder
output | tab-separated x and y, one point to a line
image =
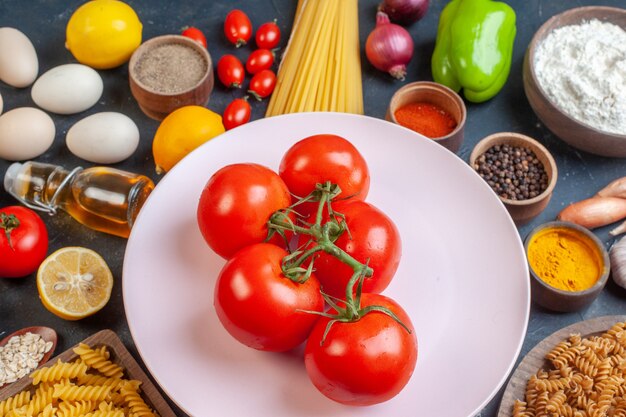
426	118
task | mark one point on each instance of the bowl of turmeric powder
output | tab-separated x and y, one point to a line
432	110
569	266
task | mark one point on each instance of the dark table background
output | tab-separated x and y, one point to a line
580	174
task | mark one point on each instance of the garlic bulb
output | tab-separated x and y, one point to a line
618	262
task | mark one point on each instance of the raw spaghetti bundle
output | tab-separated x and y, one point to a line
321	67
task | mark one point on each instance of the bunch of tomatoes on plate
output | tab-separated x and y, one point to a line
307	259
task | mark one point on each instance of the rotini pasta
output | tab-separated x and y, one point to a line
90	386
587	379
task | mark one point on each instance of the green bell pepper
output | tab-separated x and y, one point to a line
474	47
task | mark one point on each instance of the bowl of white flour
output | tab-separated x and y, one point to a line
575	78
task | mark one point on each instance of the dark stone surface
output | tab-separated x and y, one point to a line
580	174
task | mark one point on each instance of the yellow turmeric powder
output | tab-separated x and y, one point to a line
565	259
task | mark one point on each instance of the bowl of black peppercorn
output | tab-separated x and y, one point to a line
519	169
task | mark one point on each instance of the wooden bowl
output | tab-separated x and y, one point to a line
521	211
576	133
156	104
439	95
46	333
560	300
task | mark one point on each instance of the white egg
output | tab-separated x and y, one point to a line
25	133
18	59
103	138
68	89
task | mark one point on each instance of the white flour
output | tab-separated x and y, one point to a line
582	68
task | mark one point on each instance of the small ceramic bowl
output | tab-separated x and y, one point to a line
521	211
437	94
157	104
568	129
559	300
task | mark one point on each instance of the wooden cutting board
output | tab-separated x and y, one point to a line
119	355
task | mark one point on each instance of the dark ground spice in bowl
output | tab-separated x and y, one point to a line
170	68
513	172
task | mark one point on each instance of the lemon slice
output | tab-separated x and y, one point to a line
74	282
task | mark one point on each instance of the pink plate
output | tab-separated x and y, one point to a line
463	279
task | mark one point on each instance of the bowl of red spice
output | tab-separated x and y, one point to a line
432	110
519	169
168	72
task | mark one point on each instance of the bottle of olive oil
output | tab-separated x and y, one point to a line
102	198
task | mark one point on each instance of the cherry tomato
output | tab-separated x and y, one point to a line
322	158
237	28
363	362
373	239
259	306
262	84
236	204
23	241
268	35
236	113
230	71
196	35
259	60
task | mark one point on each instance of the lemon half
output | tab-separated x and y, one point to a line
74	282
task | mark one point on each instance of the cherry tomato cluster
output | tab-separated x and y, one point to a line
307	259
23	241
232	73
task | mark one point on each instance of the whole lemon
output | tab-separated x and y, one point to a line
181	132
103	33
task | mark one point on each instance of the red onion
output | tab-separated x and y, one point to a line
389	47
404	12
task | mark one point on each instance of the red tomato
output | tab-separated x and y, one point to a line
259	306
262	84
23	241
236	204
237	28
236	113
373	239
195	34
322	158
259	60
268	35
363	362
230	71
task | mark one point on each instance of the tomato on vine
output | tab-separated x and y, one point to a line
230	71
195	34
235	205
259	60
262	84
237	28
268	35
365	361
23	241
236	113
260	306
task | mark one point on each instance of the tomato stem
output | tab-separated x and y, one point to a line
8	223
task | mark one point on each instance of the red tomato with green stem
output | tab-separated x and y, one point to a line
236	113
23	241
230	71
259	60
268	35
320	158
237	28
236	204
262	84
195	34
363	362
373	239
260	306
